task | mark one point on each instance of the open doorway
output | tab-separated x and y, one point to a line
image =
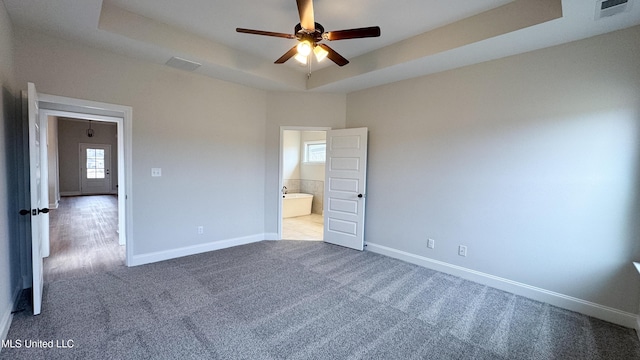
83	197
302	175
117	116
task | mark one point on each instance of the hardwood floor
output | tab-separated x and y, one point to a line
83	237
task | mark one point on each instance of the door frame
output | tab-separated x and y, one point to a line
83	156
123	117
281	165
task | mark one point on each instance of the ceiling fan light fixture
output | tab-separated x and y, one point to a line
304	48
90	130
320	53
309	33
301	59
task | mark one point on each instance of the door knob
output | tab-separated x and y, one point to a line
34	212
360	195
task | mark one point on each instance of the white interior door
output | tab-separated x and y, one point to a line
38	211
345	187
95	169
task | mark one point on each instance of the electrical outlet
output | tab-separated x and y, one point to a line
431	243
462	250
200	230
155	172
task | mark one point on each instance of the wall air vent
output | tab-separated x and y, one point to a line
606	8
182	64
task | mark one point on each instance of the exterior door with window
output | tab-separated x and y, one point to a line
95	169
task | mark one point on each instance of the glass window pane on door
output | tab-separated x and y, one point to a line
95	164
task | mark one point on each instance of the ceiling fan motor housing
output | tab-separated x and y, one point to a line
313	37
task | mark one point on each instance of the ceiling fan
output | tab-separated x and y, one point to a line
309	35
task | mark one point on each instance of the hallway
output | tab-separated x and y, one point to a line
83	237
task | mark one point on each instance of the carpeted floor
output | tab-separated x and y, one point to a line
302	300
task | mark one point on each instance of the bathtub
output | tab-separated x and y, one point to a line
296	204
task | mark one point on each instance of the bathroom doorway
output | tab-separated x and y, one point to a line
302	176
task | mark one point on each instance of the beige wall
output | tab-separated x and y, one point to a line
291	154
531	161
72	133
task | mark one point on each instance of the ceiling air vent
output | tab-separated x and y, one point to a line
183	64
606	8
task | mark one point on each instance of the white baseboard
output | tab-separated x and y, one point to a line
78	193
70	193
54	206
194	249
560	300
271	236
6	316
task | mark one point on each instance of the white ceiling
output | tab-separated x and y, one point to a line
204	31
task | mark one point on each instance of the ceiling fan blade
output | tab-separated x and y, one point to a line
305	10
288	55
334	56
373	31
266	33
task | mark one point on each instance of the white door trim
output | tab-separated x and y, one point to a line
123	116
281	165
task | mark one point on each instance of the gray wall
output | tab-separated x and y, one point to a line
531	161
206	135
9	253
73	132
294	109
216	142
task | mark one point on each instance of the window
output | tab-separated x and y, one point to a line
95	163
315	151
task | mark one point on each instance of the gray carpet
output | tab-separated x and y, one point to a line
303	300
